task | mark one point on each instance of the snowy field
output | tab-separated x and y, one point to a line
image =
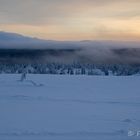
69	107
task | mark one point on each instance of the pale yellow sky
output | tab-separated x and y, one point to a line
72	20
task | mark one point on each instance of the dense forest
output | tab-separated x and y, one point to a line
72	69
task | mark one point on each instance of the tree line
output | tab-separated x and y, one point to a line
71	69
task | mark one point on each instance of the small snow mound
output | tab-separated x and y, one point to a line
127	120
34	83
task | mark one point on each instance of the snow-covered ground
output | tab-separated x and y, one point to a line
69	107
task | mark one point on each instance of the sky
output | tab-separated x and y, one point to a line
72	19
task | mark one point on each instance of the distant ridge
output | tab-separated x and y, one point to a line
15	40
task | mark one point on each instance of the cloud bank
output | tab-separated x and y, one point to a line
72	20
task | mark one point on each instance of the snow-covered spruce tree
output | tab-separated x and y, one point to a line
24	74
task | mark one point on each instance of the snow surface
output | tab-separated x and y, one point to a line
54	107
